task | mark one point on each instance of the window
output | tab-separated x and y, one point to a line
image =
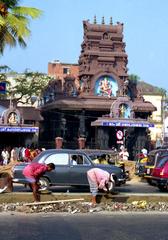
66	70
80	160
162	162
58	159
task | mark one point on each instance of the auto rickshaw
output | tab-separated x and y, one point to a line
154	157
140	164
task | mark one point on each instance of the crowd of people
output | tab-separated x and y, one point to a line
21	154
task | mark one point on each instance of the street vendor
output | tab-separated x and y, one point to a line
33	172
99	179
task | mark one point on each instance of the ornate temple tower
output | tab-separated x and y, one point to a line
103	60
101	101
103	76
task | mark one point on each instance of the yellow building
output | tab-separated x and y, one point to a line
156	117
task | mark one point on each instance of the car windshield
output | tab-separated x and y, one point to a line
103	156
154	159
151	160
162	161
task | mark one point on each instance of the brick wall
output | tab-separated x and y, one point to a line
61	70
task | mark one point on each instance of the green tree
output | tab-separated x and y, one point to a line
146	87
3	78
4	68
14	23
134	78
28	86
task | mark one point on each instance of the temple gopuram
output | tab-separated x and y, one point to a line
101	104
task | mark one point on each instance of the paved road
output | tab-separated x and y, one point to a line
115	226
135	186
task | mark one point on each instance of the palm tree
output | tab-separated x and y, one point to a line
14	23
134	78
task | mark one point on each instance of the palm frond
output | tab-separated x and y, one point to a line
18	26
2	21
6	39
22	42
9	39
10	3
27	11
14	26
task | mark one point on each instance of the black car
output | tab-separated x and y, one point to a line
67	173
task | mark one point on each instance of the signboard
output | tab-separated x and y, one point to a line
19	129
2	87
127	124
119	135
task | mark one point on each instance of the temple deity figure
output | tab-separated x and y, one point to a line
105	87
12	118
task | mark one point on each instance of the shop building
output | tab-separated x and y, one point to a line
19	126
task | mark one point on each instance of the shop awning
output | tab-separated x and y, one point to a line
122	123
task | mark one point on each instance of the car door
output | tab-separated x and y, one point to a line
78	172
61	174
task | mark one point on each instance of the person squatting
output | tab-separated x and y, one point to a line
99	179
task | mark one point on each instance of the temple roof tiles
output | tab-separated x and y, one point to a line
139	106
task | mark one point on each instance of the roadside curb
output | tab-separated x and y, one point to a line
124	197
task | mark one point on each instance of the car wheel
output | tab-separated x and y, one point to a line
162	188
149	181
44	184
111	187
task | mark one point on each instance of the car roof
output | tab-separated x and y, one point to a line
160	150
98	151
62	150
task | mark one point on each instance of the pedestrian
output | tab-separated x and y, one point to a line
123	154
27	155
33	172
73	160
99	179
144	152
5	156
13	155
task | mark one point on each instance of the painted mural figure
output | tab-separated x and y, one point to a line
105	87
125	88
122	111
12	118
85	84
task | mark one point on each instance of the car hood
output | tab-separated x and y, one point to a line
108	168
20	165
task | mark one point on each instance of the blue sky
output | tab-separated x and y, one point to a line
58	35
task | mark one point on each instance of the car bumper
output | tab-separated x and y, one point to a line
18	180
148	174
121	181
160	181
